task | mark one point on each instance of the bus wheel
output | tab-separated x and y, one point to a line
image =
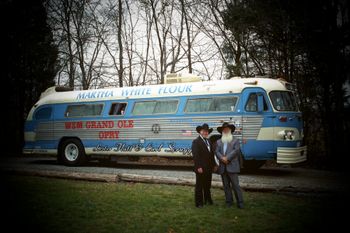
72	152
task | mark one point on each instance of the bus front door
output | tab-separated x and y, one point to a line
258	126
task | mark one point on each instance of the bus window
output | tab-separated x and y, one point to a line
252	103
163	107
43	113
155	107
198	105
144	107
223	104
83	110
216	104
283	101
117	109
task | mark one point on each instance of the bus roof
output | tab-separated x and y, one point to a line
234	85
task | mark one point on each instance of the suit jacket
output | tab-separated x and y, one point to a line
233	156
202	157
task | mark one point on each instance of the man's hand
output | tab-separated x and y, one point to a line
215	168
224	160
200	170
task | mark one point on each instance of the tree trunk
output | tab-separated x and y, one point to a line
67	20
189	44
120	43
160	44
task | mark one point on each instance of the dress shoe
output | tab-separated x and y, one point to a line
229	205
240	206
199	206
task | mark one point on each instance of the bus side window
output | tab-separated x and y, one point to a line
154	107
252	103
83	110
43	113
223	104
198	105
117	109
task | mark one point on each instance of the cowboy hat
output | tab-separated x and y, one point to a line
205	127
226	125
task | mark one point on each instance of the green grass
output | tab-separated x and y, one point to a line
55	205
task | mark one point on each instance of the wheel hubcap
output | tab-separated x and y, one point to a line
71	152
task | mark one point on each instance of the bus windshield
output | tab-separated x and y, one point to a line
283	101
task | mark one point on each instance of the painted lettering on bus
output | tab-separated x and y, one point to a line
94	94
149	148
174	89
99	124
73	125
122	147
137	91
108	134
101	148
172	148
125	124
144	91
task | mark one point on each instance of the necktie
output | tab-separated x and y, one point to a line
225	148
207	143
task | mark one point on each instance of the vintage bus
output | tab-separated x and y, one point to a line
160	121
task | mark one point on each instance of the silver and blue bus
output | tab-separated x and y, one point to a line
160	121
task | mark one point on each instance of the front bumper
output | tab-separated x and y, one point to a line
291	155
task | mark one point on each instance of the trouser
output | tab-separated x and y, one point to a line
230	182
202	188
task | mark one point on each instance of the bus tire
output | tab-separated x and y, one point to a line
72	152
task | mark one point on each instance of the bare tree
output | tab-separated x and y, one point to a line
60	19
149	22
135	42
188	31
79	34
120	43
161	39
238	44
170	33
130	25
176	48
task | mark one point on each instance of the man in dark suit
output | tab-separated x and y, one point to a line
203	156
228	153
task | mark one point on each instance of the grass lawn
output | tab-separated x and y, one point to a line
55	205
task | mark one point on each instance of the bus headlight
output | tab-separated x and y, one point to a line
287	134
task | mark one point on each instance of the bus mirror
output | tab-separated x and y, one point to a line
260	102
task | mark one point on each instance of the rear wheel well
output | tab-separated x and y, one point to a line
61	147
66	138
